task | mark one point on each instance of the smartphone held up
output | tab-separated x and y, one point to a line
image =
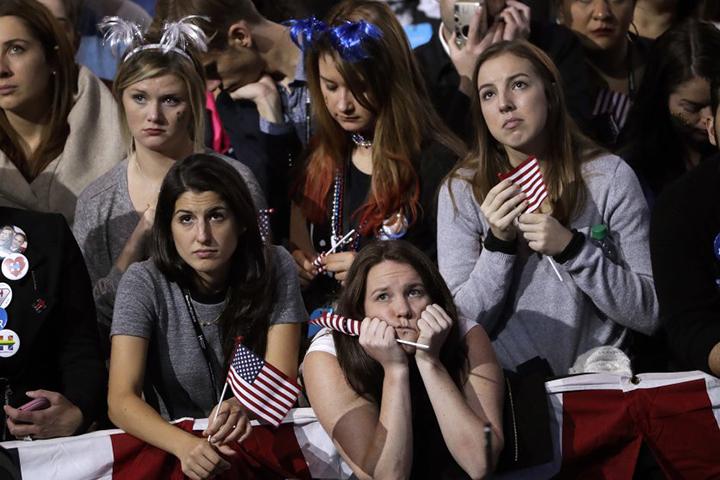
463	16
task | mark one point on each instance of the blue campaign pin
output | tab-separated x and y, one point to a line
716	246
3	318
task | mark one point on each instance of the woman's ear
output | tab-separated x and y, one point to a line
239	35
710	127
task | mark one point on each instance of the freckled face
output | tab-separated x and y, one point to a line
340	101
158	113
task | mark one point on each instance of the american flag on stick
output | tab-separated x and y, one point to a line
348	326
529	178
262	388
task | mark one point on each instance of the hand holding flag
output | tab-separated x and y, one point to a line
260	387
529	178
348	326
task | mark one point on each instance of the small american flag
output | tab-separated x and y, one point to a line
262	388
348	326
529	178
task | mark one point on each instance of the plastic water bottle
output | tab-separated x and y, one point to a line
599	236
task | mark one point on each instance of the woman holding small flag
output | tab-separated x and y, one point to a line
379	149
210	280
515	219
418	394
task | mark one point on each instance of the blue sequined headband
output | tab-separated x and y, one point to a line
347	38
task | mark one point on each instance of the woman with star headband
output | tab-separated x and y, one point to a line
160	90
379	149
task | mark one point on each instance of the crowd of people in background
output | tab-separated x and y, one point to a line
496	184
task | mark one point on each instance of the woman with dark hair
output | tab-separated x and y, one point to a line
58	125
392	410
210	279
161	97
666	133
615	58
379	149
532	279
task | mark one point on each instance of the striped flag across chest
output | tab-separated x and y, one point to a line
529	178
348	326
260	387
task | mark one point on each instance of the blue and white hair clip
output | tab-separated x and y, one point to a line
349	38
176	37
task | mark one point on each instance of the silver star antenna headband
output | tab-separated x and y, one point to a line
126	38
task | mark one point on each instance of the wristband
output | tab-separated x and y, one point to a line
494	244
572	248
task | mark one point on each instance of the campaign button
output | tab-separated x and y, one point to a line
5	295
15	266
3	318
12	240
9	343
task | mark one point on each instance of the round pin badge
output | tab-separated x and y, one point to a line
19	241
7	232
3	318
5	295
716	246
15	266
9	343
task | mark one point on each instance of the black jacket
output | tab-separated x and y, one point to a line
53	313
269	157
685	223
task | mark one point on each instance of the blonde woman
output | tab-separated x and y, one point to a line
161	97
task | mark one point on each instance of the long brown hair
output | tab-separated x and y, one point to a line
60	56
567	148
388	83
364	374
251	291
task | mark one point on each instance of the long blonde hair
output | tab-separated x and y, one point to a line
154	63
567	148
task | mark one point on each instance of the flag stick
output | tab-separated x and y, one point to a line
340	242
217	408
488	450
552	264
416	345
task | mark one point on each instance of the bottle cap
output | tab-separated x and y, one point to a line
598	232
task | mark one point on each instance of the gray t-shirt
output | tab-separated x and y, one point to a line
148	305
104	220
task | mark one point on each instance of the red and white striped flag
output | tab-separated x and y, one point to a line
348	326
529	178
262	388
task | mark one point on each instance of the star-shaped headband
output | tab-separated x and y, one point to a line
348	38
126	38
